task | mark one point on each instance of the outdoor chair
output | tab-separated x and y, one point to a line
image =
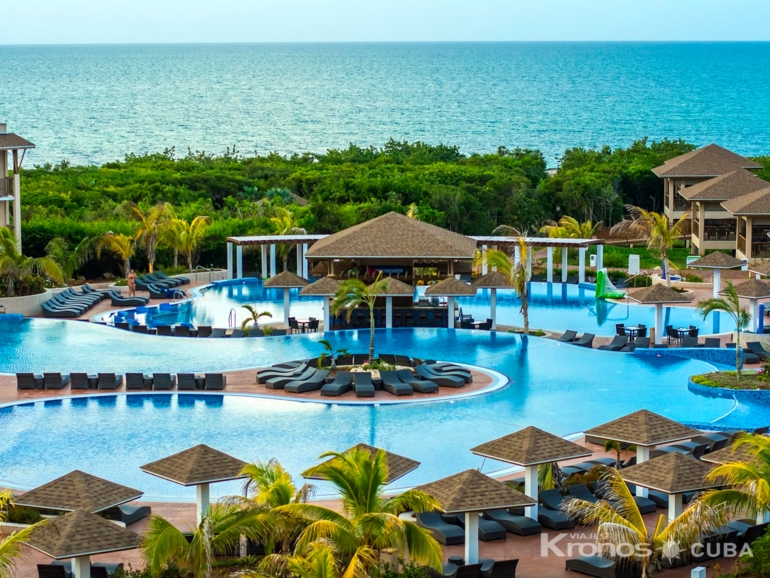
165	330
519	525
29	381
448	380
618	342
109	380
182	331
581	492
403	361
163	381
620	329
55	380
135	381
363	384
444	532
186	381
489	530
689	341
600	567
140	329
417	385
79	381
237	333
204	331
278	382
672	334
343	383
567	336
498	568
756	348
711	342
217	332
344	360
393	385
450	570
121	325
214	381
586	340
360	358
388	358
693	332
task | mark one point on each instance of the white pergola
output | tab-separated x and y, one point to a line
268	243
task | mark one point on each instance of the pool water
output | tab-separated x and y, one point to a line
558	387
551	306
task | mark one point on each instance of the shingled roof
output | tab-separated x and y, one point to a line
396	288
472	491
761	267
708	161
756	203
716	260
285	279
81	533
729	454
198	465
10	141
451	287
531	446
725	187
394	236
324	287
643	428
659	293
398	466
78	491
752	289
672	473
492	280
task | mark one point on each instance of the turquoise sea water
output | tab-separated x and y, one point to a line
91	104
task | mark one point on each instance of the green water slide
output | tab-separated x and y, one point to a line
604	287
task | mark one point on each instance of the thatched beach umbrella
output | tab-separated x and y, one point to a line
398	466
753	290
198	466
325	287
80	535
673	474
394	288
469	493
643	429
529	448
492	281
451	288
285	280
716	261
658	295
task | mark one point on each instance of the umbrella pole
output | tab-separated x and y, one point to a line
81	566
201	500
471	537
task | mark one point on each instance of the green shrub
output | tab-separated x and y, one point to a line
170	571
267	330
170	270
690	278
759	563
22	515
408	570
121	283
640	281
379	366
31	285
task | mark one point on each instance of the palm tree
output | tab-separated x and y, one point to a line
369	521
656	229
352	293
11	545
220	529
120	245
623	535
731	305
514	273
184	237
70	259
284	224
14	265
618	448
570	228
254	317
152	225
749	493
330	352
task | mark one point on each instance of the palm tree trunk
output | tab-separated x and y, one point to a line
127	268
371	333
738	354
176	258
189	261
665	268
525	310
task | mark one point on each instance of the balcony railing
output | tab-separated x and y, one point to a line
742	244
760	250
719	233
680	203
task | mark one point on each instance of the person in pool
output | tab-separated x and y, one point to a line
131	283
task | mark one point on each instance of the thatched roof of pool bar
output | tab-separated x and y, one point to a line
492	280
398	466
752	289
472	491
198	465
451	287
659	293
396	288
531	446
716	260
285	279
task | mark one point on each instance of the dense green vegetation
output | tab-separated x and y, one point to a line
471	194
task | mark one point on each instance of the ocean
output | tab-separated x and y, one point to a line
94	104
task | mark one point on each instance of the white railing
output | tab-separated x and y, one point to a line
209	271
232	320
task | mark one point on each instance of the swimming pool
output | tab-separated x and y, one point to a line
554	306
112	435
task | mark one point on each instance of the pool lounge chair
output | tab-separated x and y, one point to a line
29	381
618	342
581	492
55	380
449	570
444	532
182	331
162	275
157	292
79	381
109	380
586	340
600	567
498	568
265	374
119	301
447	369
360	358
519	525
568	335
393	385
362	382
312	383
214	381
164	330
135	381
403	361
52	312
688	341
186	382
417	385
163	381
217	332
127	514
712	342
756	348
279	382
489	530
343	383
204	331
238	333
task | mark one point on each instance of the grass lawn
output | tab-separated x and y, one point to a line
616	256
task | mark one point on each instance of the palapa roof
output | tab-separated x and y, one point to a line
398	466
707	161
396	288
761	267
659	293
672	473
451	287
492	280
324	287
531	446
725	187
643	428
81	533
756	203
472	491
198	465
394	236
78	491
10	141
285	279
716	260
730	453
752	289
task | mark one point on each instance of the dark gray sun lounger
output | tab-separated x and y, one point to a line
519	525
488	529
204	331
343	383
418	385
163	381
55	380
186	381
119	301
442	380
363	384
271	372
756	348
444	532
618	342
134	380
29	381
568	335
314	382
215	381
279	382
392	384
165	330
445	369
217	332
581	492
586	340
109	380
599	567
182	331
79	381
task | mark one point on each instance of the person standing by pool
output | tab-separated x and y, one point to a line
131	283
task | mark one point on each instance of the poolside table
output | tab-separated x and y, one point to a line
631	330
682	331
477	324
93	381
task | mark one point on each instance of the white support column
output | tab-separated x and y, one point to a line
471	537
229	260
642	455
272	260
718	283
388	312
763	517
202	500
239	261
564	264
549	264
529	263
299	260
286	307
450	309
493	307
304	261
530	488
484	260
753	309
582	265
17	208
599	257
263	248
516	255
81	567
674	506
327	315
658	323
